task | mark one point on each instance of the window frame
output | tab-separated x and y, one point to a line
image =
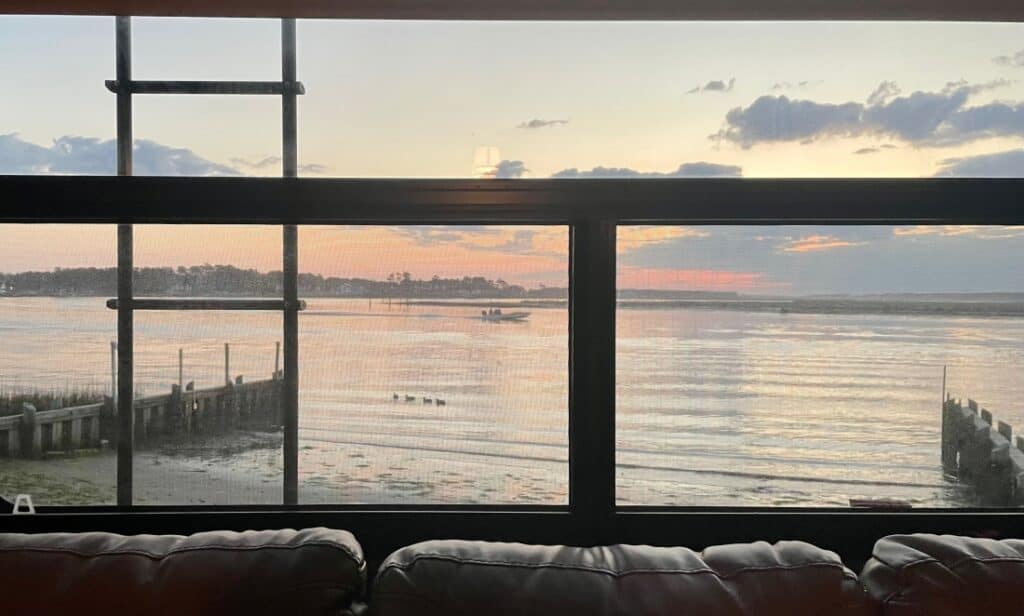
591	209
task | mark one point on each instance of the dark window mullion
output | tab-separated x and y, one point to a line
125	270
290	272
592	375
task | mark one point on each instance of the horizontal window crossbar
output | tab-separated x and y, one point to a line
971	10
207	87
206	304
340	201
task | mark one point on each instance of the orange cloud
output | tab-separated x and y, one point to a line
816	243
632	237
631	277
985	232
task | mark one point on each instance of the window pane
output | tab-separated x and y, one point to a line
805	366
668	99
200	135
56	115
189	49
412	389
202	436
57	426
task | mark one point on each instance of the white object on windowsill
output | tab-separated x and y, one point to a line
23	500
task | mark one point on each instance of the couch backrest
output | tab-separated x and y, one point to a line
313	571
945	575
463	577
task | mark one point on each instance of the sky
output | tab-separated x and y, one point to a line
566	100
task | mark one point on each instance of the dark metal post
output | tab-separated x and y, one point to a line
125	269
592	376
290	389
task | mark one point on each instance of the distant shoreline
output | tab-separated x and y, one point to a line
949	306
776	305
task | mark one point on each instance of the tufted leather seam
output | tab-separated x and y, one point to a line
703	570
182	550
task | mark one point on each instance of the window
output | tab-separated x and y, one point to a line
56	418
806	366
208	411
434	365
464	99
684	335
58	120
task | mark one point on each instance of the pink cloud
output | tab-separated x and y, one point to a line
692	279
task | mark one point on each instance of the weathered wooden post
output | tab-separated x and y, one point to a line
175	417
113	371
227	363
1006	430
277	358
951	413
31	433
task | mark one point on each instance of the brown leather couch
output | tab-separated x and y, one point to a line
463	577
315	571
320	571
946	575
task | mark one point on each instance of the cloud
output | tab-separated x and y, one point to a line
271	165
632	237
921	118
866	151
884	91
1009	164
638	277
538	123
91	156
685	170
818	243
510	169
987	232
1016	60
73	155
789	85
779	118
715	85
260	164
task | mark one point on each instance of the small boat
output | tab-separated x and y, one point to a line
496	315
409	398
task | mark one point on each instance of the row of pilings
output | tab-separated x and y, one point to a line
982	452
193	412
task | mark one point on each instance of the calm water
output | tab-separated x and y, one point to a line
714	407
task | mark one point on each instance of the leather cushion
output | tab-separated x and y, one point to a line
311	571
463	577
946	575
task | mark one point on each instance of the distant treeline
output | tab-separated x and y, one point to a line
227	280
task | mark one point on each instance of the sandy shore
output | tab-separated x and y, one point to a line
245	468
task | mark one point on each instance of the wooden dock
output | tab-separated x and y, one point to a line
236	405
982	451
